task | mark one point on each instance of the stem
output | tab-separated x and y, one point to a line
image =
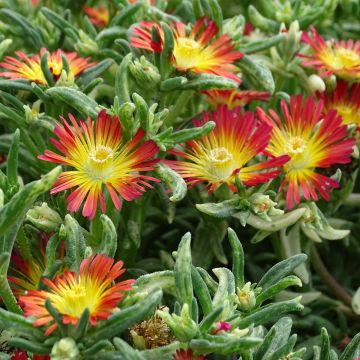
179	106
328	279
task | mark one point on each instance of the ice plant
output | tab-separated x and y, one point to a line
29	68
312	142
26	274
100	160
219	156
72	294
198	52
345	99
182	354
98	16
234	97
341	58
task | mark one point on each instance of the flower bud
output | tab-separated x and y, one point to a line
44	217
246	297
263	206
234	27
65	349
145	73
4	45
86	45
183	327
32	113
66	79
293	39
330	82
316	83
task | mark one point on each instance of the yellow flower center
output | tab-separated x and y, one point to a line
100	161
101	154
55	68
220	163
187	53
344	58
72	299
349	115
296	147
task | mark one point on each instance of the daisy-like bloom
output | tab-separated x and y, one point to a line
29	68
72	294
234	97
345	100
222	154
100	159
312	141
26	275
197	51
182	354
98	16
341	58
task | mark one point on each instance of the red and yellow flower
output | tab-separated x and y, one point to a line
100	160
341	58
98	16
197	51
72	294
29	68
234	97
313	142
345	99
182	354
222	154
26	275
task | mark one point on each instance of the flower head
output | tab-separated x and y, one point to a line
197	51
26	274
234	97
72	294
100	159
341	58
312	142
98	16
29	68
345	100
219	156
182	354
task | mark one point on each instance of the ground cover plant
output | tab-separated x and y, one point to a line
178	179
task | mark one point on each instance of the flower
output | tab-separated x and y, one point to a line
197	51
72	294
26	274
29	68
219	156
100	160
234	97
182	354
222	326
98	16
151	2
21	355
341	58
312	142
345	99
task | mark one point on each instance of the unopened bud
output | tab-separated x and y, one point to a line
145	73
183	327
65	349
246	297
263	206
86	45
66	79
44	217
234	27
32	113
316	83
331	83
